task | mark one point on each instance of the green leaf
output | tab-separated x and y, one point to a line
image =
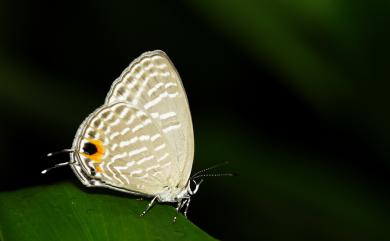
66	212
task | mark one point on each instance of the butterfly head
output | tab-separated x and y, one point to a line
177	194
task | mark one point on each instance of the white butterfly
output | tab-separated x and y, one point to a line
140	141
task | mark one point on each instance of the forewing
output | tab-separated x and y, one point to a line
136	156
152	83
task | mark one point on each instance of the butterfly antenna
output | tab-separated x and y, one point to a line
209	168
55	166
228	174
59	152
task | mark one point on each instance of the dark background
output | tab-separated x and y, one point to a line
293	93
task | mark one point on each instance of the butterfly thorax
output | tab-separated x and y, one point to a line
174	194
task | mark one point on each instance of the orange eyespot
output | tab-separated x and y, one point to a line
93	149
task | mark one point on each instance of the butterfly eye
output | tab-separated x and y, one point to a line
89	148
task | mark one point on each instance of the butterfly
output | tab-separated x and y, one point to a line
140	141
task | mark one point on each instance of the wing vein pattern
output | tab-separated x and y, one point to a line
145	126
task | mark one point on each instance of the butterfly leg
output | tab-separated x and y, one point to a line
149	206
180	205
187	205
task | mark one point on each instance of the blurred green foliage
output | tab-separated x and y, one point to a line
333	54
65	212
289	188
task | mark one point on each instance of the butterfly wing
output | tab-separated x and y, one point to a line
132	152
152	83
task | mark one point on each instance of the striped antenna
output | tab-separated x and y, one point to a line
197	174
228	174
